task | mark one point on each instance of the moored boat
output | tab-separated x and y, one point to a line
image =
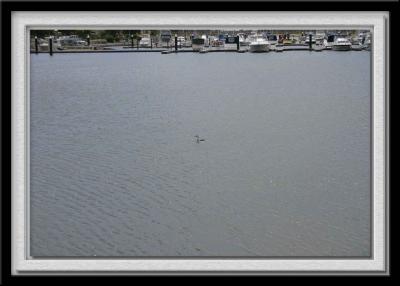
279	48
198	44
145	41
272	39
259	45
357	47
318	48
341	44
243	40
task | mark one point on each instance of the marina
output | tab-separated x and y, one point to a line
189	50
254	42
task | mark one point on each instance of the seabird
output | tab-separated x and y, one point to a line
198	139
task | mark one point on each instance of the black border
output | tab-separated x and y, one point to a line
6	9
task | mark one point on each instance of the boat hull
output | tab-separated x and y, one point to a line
198	44
197	48
259	48
341	47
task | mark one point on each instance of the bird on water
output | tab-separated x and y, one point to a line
198	140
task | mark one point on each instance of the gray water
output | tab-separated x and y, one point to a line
284	171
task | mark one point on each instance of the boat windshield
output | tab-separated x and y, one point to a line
342	40
198	41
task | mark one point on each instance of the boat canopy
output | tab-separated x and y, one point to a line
331	38
231	40
198	41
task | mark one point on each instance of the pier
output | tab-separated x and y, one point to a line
57	42
111	49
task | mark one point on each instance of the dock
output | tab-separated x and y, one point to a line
185	50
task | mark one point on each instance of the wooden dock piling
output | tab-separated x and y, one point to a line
51	46
36	45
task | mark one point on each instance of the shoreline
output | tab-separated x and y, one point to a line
188	50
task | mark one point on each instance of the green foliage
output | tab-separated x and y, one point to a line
110	36
41	33
135	34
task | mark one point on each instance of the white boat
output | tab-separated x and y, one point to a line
272	39
318	47
206	40
243	40
44	43
319	38
259	45
279	48
181	41
341	44
357	47
230	43
313	39
329	41
366	41
198	44
71	40
364	38
145	41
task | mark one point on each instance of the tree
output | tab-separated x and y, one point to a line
41	33
82	33
154	34
135	33
109	35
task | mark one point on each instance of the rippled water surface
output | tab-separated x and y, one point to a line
283	171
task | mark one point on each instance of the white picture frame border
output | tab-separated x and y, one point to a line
22	264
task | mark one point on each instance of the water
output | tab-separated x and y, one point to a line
284	171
